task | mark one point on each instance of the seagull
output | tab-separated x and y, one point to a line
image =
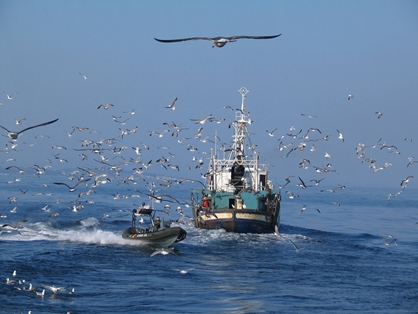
271	133
405	181
350	96
105	107
41	294
219	41
14	135
340	136
295	246
292	195
203	120
307	115
184	271
10	228
390	236
163	252
19	121
10	97
411	161
84	76
317	181
302	184
303	208
173	104
55	289
379	114
72	189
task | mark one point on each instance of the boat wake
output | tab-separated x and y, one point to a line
82	231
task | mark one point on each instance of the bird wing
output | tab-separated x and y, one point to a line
62	183
251	37
303	183
35	126
20	222
4	128
81	181
173	103
182	39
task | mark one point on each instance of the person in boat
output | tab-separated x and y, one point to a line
158	223
205	201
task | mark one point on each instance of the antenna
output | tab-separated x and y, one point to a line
243	91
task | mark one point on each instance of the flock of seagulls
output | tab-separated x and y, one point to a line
24	286
103	167
109	160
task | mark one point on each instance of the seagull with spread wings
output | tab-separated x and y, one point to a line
10	228
14	135
219	41
172	106
72	189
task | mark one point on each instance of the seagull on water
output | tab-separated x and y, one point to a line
219	41
55	289
14	135
184	271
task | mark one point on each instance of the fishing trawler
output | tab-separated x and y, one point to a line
238	196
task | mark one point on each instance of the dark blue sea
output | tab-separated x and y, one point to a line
358	256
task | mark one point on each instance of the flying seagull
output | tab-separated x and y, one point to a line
14	135
10	228
219	41
10	97
173	104
72	189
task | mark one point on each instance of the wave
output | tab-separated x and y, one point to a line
82	231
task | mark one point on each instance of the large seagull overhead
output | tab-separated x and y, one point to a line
219	41
14	135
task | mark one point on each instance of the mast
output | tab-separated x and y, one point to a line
242	117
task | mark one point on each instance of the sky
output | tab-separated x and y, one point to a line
326	51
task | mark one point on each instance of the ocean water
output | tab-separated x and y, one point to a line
343	264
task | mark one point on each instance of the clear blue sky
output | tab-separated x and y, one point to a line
328	49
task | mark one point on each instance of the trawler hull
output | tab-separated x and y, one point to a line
238	221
